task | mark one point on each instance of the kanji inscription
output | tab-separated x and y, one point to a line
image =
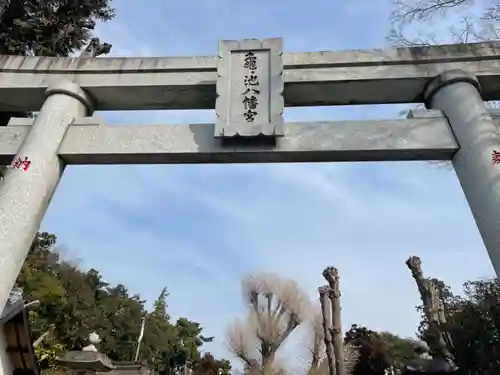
19	163
250	89
495	157
251	94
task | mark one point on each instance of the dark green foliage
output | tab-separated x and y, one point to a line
208	365
400	350
75	303
378	351
48	28
473	324
473	328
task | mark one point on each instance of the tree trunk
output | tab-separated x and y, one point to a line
331	274
324	298
433	309
316	350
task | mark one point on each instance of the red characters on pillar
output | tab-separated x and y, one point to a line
495	157
19	163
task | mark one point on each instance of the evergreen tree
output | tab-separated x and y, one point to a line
208	365
74	303
48	28
473	324
378	350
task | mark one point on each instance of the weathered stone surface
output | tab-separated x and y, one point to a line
249	88
437	113
397	75
415	139
33	176
476	163
80	121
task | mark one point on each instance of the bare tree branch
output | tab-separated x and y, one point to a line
318	337
351	353
240	339
464	21
276	308
407	11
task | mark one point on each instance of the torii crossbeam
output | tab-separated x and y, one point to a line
248	85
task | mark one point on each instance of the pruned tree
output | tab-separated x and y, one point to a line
317	341
331	274
340	359
327	325
436	337
320	363
276	308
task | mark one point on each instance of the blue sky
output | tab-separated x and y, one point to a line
198	229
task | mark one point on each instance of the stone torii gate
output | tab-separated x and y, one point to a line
248	84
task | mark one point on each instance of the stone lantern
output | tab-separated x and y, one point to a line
424	364
88	361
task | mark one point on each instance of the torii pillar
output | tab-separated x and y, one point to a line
457	94
25	194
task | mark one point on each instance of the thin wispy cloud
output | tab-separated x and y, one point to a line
200	229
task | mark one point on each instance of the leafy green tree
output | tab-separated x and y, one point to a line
475	328
473	325
208	365
74	303
373	357
159	336
48	28
160	306
399	350
122	315
189	340
378	351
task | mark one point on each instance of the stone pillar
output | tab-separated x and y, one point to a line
457	94
26	194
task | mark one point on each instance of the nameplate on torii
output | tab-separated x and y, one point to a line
250	88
